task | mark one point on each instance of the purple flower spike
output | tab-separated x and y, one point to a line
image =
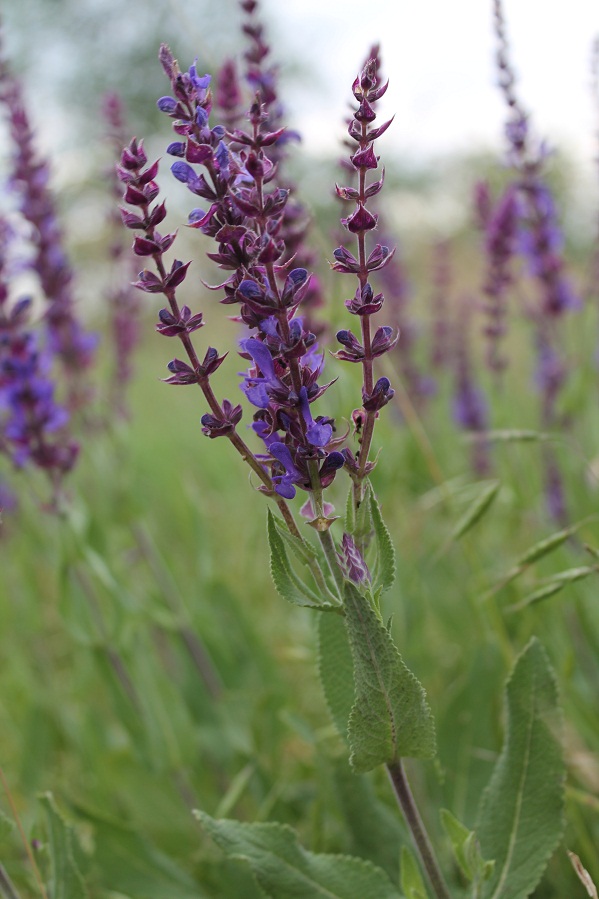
31	185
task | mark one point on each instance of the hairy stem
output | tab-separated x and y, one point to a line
417	829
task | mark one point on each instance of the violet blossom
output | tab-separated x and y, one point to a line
66	337
499	222
367	89
541	245
470	410
33	426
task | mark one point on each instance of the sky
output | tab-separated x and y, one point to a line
439	56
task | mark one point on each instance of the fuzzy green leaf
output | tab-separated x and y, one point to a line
390	717
476	510
285	870
385	558
303	550
67	882
336	669
411	879
306	554
520	819
288	584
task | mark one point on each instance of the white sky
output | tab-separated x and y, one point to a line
439	56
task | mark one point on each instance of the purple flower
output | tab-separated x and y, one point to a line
291	475
318	434
258	388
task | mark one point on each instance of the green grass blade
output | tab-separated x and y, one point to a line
473	514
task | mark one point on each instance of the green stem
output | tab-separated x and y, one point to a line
419	835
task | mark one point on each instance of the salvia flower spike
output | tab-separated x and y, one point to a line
66	337
33	425
367	89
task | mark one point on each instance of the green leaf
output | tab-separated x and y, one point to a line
520	820
476	510
411	879
67	882
336	669
390	717
304	551
288	584
385	560
235	878
466	850
308	555
285	870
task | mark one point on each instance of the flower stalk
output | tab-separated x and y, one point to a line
403	793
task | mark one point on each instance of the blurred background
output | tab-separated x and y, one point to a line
439	57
